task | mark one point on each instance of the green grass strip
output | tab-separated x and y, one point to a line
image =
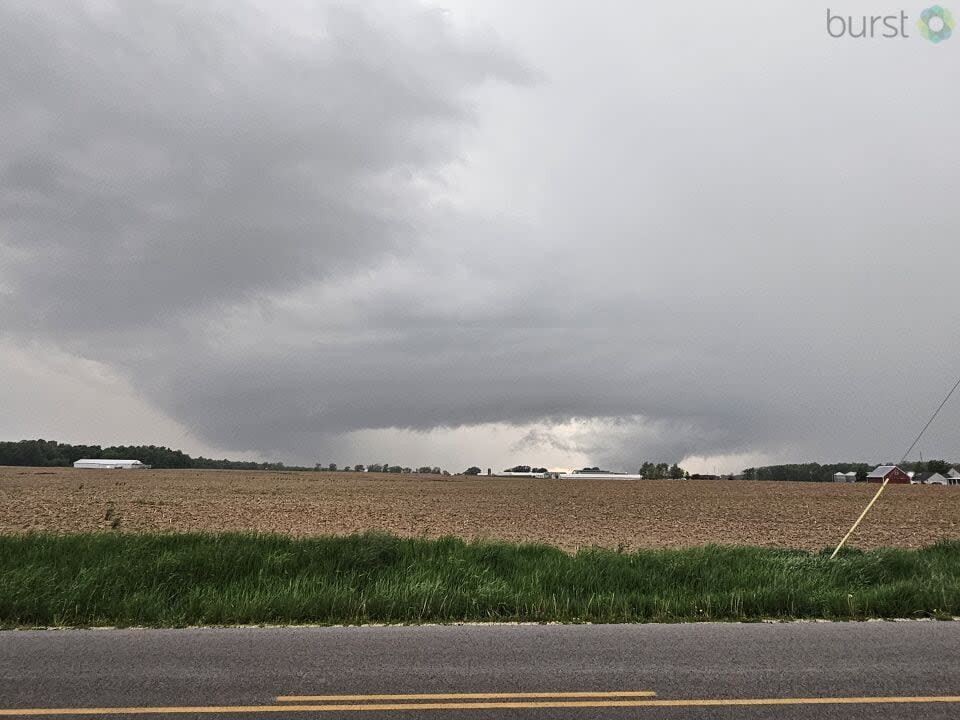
204	579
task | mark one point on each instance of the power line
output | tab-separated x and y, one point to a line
887	479
930	421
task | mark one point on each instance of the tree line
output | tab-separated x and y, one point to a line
50	453
381	468
815	472
662	471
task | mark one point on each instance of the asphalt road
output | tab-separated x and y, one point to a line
695	671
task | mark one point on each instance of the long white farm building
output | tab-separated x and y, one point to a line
601	475
110	464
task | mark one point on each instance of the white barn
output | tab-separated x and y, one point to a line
110	464
582	475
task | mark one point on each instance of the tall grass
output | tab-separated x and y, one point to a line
174	580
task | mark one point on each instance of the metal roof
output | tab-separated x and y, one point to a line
108	461
882	471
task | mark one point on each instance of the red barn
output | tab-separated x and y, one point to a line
883	472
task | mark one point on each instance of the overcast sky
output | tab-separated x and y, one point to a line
478	232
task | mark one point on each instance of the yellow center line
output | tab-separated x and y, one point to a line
502	705
465	696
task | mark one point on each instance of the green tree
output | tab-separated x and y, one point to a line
938	466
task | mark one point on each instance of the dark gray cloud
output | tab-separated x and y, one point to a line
288	229
163	159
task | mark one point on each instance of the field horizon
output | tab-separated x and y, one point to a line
567	514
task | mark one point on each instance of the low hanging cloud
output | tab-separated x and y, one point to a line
290	229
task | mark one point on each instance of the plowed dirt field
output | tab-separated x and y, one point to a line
566	513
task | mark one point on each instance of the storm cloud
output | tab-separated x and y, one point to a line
578	229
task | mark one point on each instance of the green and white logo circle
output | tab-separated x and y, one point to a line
936	24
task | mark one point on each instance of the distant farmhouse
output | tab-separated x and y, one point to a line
893	474
109	464
952	477
929	478
889	473
899	477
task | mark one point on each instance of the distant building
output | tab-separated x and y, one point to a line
525	471
930	478
110	464
953	476
890	473
598	474
845	477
